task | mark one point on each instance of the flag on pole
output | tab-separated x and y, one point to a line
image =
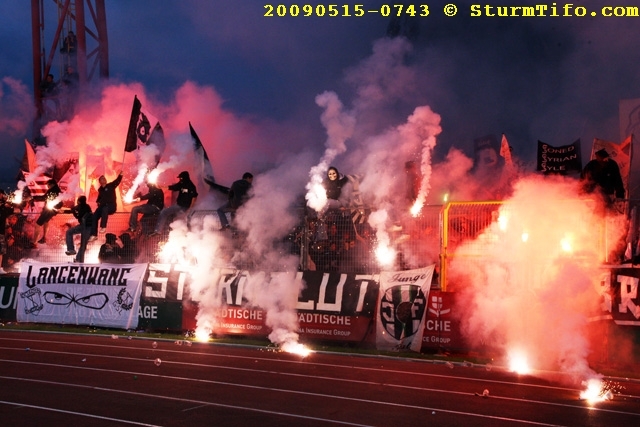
29	162
141	126
94	166
509	172
205	168
157	139
37	185
505	151
356	205
67	175
562	160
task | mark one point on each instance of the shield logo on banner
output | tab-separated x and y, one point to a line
401	310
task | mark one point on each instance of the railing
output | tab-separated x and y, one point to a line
333	242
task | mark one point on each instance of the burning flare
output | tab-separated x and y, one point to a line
596	391
51	204
518	362
385	254
202	334
128	198
417	207
296	348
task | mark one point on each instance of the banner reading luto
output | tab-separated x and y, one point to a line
402	304
106	295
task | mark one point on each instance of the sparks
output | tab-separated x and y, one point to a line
16	197
51	204
596	391
296	348
416	208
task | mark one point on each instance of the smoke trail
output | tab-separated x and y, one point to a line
195	245
339	126
267	218
423	125
263	222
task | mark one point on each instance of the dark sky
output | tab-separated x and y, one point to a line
554	79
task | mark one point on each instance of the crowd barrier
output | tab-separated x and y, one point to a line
333	242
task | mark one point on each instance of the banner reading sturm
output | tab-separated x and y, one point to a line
402	304
106	295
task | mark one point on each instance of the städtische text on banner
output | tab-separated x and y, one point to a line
105	295
401	308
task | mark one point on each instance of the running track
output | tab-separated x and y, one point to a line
49	379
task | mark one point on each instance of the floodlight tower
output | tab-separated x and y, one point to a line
55	49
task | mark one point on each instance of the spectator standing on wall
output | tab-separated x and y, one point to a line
155	204
238	195
187	196
82	212
602	175
49	210
107	204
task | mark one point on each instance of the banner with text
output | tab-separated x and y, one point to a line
442	323
402	304
331	306
563	160
106	295
620	299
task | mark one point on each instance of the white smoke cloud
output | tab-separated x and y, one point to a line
339	125
266	219
262	222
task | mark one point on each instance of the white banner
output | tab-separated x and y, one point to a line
402	304
106	295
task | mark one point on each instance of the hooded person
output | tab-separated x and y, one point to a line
187	196
48	211
238	195
338	189
154	205
109	251
107	202
82	212
602	175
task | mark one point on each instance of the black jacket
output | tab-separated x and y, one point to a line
107	194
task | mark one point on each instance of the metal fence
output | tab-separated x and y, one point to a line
333	242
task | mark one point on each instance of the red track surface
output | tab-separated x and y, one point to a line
75	380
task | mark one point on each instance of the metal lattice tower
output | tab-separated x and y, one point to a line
88	54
